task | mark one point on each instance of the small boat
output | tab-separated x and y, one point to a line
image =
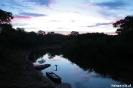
41	61
53	77
41	67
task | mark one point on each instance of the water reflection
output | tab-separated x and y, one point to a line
94	75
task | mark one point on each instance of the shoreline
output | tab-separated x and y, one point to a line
52	85
18	71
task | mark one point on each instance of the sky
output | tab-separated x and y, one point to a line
64	16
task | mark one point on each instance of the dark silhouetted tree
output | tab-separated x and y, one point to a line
20	29
0	29
74	33
124	25
5	27
40	32
52	33
5	17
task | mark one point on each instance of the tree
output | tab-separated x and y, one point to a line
5	28
5	17
40	32
74	33
124	25
0	29
51	33
20	29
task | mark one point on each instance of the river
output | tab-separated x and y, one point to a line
75	75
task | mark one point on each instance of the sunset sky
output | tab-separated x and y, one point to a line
64	16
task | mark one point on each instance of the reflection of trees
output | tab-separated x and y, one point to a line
108	71
50	55
34	55
117	74
106	49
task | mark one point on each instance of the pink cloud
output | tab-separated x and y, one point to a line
22	17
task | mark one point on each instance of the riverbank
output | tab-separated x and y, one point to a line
17	71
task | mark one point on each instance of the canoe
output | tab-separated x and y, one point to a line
53	77
41	67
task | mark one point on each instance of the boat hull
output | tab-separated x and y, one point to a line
53	77
41	67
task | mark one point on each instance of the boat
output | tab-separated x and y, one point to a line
41	61
53	77
41	67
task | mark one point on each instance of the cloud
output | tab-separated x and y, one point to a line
16	3
62	28
117	4
54	21
19	24
21	17
3	5
98	24
41	2
32	14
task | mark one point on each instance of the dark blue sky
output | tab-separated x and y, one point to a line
64	16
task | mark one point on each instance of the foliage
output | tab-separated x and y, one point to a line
90	46
40	32
111	49
18	37
124	25
5	17
74	33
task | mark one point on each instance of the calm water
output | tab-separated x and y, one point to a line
73	74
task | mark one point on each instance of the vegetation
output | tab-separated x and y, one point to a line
124	25
11	37
105	70
15	44
5	17
108	49
90	46
114	50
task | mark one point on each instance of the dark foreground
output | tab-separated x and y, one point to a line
17	71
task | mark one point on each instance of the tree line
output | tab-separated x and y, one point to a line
113	49
99	47
10	36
